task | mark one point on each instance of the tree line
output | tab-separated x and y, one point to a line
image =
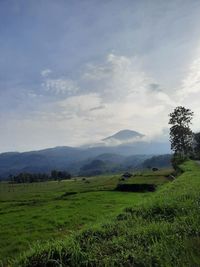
26	177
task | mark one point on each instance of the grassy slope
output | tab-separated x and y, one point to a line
161	231
149	177
41	212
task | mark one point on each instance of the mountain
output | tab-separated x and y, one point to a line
123	136
124	149
38	161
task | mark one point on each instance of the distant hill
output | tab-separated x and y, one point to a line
110	163
95	167
124	154
38	161
161	161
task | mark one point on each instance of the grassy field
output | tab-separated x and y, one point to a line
162	229
37	212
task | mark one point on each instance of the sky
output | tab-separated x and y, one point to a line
76	71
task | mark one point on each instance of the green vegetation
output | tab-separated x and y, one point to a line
196	146
181	136
34	212
162	229
150	177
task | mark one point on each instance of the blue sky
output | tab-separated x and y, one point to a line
73	72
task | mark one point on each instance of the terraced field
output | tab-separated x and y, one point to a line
37	212
161	229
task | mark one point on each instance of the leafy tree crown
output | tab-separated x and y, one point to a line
181	136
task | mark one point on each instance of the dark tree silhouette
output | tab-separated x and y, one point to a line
39	177
197	144
181	136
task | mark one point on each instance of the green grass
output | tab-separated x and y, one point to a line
38	212
149	177
162	229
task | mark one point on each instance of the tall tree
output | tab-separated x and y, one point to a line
181	136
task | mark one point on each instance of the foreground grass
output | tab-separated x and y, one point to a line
37	212
164	230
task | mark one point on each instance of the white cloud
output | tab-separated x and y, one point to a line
60	86
114	95
189	92
110	96
191	84
127	92
45	72
116	78
80	105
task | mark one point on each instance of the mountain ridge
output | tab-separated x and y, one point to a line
73	158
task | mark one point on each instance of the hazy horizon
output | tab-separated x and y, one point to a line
75	72
108	141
